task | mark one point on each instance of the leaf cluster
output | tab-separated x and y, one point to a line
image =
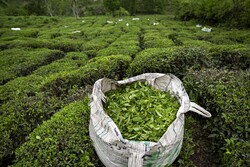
141	112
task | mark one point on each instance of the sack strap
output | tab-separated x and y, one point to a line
199	110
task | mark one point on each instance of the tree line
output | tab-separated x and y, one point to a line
81	7
233	12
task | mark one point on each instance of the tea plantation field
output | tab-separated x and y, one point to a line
47	70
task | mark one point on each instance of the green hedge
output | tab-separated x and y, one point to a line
93	46
114	66
174	60
64	44
195	43
24	113
61	141
153	39
21	62
20	86
226	95
72	61
24	106
122	46
231	56
177	60
128	51
30	84
20	116
26	32
28	21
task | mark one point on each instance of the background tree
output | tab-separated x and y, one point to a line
112	5
130	6
52	6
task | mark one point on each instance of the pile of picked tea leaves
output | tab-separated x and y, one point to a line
140	111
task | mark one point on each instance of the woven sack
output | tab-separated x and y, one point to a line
115	151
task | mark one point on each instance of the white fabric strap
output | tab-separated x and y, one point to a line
199	110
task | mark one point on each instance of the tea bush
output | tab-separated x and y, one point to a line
121	47
93	46
61	141
20	116
16	88
114	66
30	84
66	45
174	60
153	39
29	33
231	56
157	43
196	43
226	94
24	106
21	62
30	43
72	61
29	21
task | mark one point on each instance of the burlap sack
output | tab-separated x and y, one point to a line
115	151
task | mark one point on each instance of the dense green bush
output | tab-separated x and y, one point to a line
121	47
114	66
72	61
174	60
196	43
28	21
153	39
226	95
21	62
30	84
20	116
157	43
24	106
26	32
93	46
66	45
177	60
20	86
231	56
61	141
24	113
30	43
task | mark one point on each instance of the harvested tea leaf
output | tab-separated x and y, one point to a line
140	111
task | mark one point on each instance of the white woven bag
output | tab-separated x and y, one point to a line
115	151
